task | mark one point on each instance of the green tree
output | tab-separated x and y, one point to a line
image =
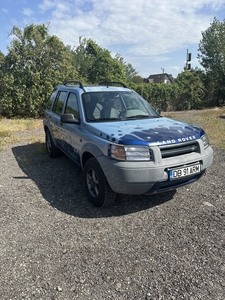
95	63
137	79
35	63
130	73
190	91
6	88
158	95
212	58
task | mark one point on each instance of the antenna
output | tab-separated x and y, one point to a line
188	64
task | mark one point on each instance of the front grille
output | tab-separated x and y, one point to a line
179	149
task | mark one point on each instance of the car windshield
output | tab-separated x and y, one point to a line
114	106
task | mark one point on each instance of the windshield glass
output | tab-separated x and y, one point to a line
114	106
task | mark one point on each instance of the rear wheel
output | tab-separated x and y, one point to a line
98	190
52	150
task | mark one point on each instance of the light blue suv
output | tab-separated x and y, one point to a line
122	144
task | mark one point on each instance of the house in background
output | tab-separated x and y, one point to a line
160	78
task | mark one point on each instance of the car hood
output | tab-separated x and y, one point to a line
156	131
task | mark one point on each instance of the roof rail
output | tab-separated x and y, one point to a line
109	83
74	82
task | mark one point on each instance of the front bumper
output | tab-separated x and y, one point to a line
151	177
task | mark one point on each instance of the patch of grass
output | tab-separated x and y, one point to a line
211	120
4	134
8	128
13	125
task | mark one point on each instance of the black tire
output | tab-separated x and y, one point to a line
52	150
98	190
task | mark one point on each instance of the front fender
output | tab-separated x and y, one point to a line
89	150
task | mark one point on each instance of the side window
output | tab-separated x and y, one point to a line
51	99
58	105
72	106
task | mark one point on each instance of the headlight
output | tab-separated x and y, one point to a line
130	153
205	140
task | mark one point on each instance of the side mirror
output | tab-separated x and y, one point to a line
69	119
158	110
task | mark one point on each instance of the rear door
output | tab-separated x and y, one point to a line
71	132
57	111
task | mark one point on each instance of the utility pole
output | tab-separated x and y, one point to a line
188	64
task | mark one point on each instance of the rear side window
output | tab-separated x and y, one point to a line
59	102
51	99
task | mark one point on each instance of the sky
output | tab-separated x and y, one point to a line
154	36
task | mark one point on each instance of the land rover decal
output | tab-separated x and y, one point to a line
179	140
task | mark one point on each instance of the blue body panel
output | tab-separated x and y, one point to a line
147	132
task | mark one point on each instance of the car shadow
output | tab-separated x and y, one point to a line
61	184
222	117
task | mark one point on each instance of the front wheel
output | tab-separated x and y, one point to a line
98	190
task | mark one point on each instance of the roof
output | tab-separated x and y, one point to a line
160	78
102	86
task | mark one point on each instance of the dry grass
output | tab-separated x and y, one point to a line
13	125
211	120
9	128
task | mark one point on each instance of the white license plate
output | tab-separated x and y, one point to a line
184	171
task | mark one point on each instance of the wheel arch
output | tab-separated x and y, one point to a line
97	187
48	128
88	151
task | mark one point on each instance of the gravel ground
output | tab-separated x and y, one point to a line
56	245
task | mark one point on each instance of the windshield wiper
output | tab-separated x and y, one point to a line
105	119
138	117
